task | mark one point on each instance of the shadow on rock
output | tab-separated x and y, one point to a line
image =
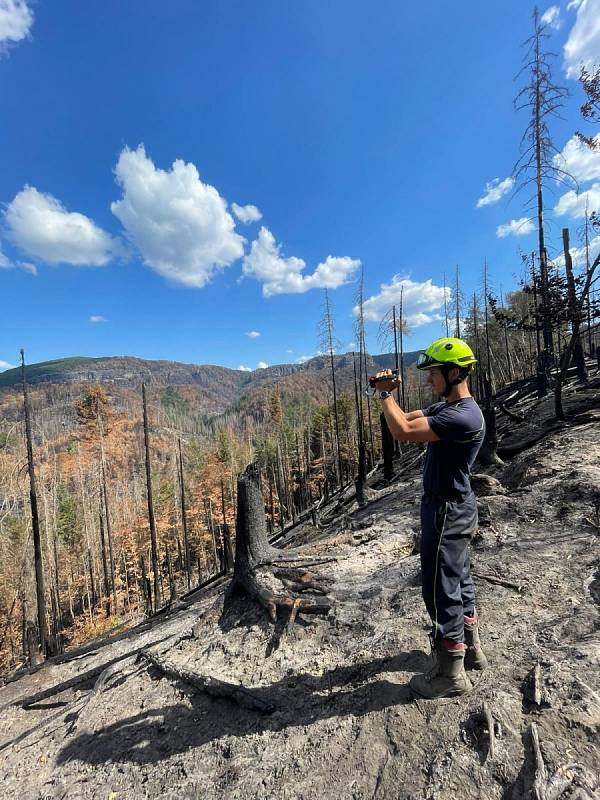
154	735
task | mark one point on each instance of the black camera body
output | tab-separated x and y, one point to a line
373	381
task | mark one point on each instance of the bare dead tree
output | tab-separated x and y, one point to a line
446	321
568	351
458	303
536	166
35	520
151	518
186	544
328	342
590	110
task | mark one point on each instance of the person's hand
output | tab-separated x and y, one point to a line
386	385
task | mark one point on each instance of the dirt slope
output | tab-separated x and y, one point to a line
344	725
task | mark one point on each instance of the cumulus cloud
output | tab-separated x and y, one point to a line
26	266
242	368
179	224
262	365
579	160
583	44
97	318
16	19
419	300
575	204
253	334
516	227
281	275
41	227
5	365
246	214
494	191
552	18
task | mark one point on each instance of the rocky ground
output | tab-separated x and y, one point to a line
344	725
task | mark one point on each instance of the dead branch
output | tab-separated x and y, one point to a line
537	685
489	721
211	686
499	581
511	414
541	774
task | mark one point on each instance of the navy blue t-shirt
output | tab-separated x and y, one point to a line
461	428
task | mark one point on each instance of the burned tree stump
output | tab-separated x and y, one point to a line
278	579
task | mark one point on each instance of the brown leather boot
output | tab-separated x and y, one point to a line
474	655
447	677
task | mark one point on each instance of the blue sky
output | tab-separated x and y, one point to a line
347	134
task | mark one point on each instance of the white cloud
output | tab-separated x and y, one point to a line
16	19
419	299
289	351
582	48
516	227
574	4
262	365
97	318
575	204
246	214
579	160
179	224
5	365
494	191
242	368
280	275
253	334
40	226
552	18
303	359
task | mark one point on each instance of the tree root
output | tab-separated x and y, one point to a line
567	776
211	686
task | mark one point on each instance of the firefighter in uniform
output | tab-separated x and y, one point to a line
453	429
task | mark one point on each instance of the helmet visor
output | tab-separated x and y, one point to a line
424	361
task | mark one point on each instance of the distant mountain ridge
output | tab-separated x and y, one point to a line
131	372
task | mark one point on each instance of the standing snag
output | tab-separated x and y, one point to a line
276	578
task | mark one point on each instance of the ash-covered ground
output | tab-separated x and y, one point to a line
344	724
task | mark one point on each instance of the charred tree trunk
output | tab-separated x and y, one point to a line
574	311
275	578
361	477
151	519
172	584
104	564
109	535
387	443
184	525
35	521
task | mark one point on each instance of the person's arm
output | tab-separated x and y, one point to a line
411	427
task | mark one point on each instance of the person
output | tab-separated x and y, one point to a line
453	429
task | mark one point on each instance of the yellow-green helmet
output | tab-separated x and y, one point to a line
447	350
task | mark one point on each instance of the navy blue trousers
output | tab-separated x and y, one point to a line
448	590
